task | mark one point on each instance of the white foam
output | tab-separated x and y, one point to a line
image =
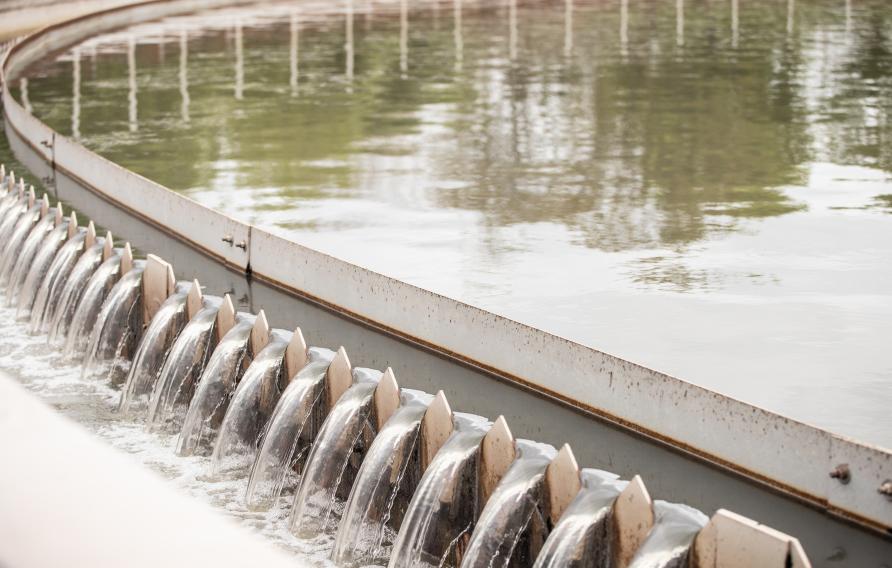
92	403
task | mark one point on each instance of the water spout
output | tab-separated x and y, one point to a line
252	405
48	225
13	252
443	510
34	275
58	274
118	329
289	433
17	223
340	446
224	370
584	534
153	349
12	206
384	486
185	363
61	313
669	543
512	521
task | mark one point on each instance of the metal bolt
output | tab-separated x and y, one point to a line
228	239
886	489
842	473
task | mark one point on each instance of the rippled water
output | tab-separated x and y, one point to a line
703	187
92	404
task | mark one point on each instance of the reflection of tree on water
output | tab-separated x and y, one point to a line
652	145
652	151
857	110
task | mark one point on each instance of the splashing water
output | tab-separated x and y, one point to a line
384	486
252	404
11	206
669	542
208	406
289	432
184	365
44	372
50	292
118	329
40	266
584	536
153	349
22	244
510	510
342	439
81	280
442	512
16	226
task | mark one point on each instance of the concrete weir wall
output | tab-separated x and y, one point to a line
21	16
100	488
765	448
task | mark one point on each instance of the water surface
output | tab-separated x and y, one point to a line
703	187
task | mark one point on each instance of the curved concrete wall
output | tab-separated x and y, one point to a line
20	16
785	454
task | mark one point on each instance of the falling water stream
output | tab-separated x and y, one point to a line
252	404
583	536
29	284
153	349
668	544
512	509
24	240
208	406
340	444
117	329
7	203
288	435
89	303
183	367
53	286
10	224
60	315
383	487
436	524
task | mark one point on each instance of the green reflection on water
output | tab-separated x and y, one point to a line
659	141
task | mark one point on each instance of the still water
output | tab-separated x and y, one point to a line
700	186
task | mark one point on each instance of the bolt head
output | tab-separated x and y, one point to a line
842	473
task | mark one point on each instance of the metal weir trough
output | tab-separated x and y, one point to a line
396	475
